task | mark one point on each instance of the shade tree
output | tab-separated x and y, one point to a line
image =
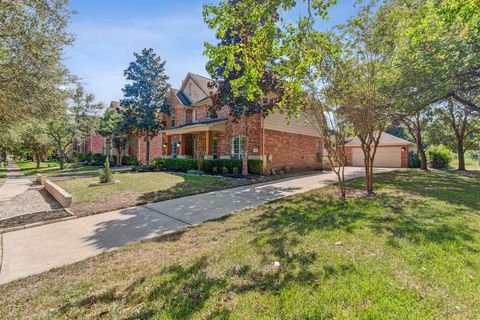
145	96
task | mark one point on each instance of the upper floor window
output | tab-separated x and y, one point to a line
237	147
172	119
195	115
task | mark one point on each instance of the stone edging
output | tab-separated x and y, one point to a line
62	196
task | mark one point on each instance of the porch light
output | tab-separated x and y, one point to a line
164	145
179	144
403	149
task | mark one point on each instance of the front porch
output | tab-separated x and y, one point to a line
196	140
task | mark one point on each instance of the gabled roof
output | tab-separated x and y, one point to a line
200	81
386	139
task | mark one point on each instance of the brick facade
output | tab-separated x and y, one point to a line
289	149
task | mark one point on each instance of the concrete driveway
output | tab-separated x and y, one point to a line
35	250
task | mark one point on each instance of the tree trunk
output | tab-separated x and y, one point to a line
61	158
38	160
245	151
421	151
148	146
460	154
119	157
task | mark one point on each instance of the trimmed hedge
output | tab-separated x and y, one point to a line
254	166
414	160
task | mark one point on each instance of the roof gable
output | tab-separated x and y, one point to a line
385	139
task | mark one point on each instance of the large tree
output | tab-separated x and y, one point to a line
33	34
145	98
457	127
35	139
248	61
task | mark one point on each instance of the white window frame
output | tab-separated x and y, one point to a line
241	141
214	147
172	119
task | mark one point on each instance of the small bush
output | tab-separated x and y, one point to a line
89	156
81	156
235	170
439	157
224	170
180	164
215	170
105	174
134	162
414	160
146	168
98	159
126	160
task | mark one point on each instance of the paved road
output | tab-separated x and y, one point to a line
16	183
31	251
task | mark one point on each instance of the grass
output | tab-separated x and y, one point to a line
411	252
138	188
29	168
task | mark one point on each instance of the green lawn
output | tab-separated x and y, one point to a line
138	188
470	164
29	168
411	252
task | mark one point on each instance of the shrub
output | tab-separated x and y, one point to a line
235	170
414	160
439	157
81	156
89	156
224	170
146	168
105	174
215	170
98	159
159	163
134	162
180	164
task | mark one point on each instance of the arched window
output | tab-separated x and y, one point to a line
237	147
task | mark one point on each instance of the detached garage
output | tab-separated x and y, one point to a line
392	152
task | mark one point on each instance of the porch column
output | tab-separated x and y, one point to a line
182	145
169	146
208	145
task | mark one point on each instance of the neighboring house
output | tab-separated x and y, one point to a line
392	152
191	132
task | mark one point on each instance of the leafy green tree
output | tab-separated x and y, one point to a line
245	62
35	139
33	34
145	98
457	127
112	125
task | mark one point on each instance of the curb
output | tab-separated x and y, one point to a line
37	224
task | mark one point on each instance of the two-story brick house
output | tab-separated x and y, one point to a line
191	132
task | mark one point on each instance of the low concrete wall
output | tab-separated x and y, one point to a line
62	196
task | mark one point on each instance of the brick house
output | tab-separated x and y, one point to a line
190	132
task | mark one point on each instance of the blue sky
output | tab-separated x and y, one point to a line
107	32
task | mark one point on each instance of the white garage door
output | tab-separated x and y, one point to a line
389	157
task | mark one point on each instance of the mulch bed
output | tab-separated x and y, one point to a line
33	217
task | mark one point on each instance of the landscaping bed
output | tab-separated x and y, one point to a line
138	188
410	252
29	168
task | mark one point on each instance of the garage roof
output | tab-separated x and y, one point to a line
385	140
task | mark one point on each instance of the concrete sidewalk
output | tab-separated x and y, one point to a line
16	183
31	251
